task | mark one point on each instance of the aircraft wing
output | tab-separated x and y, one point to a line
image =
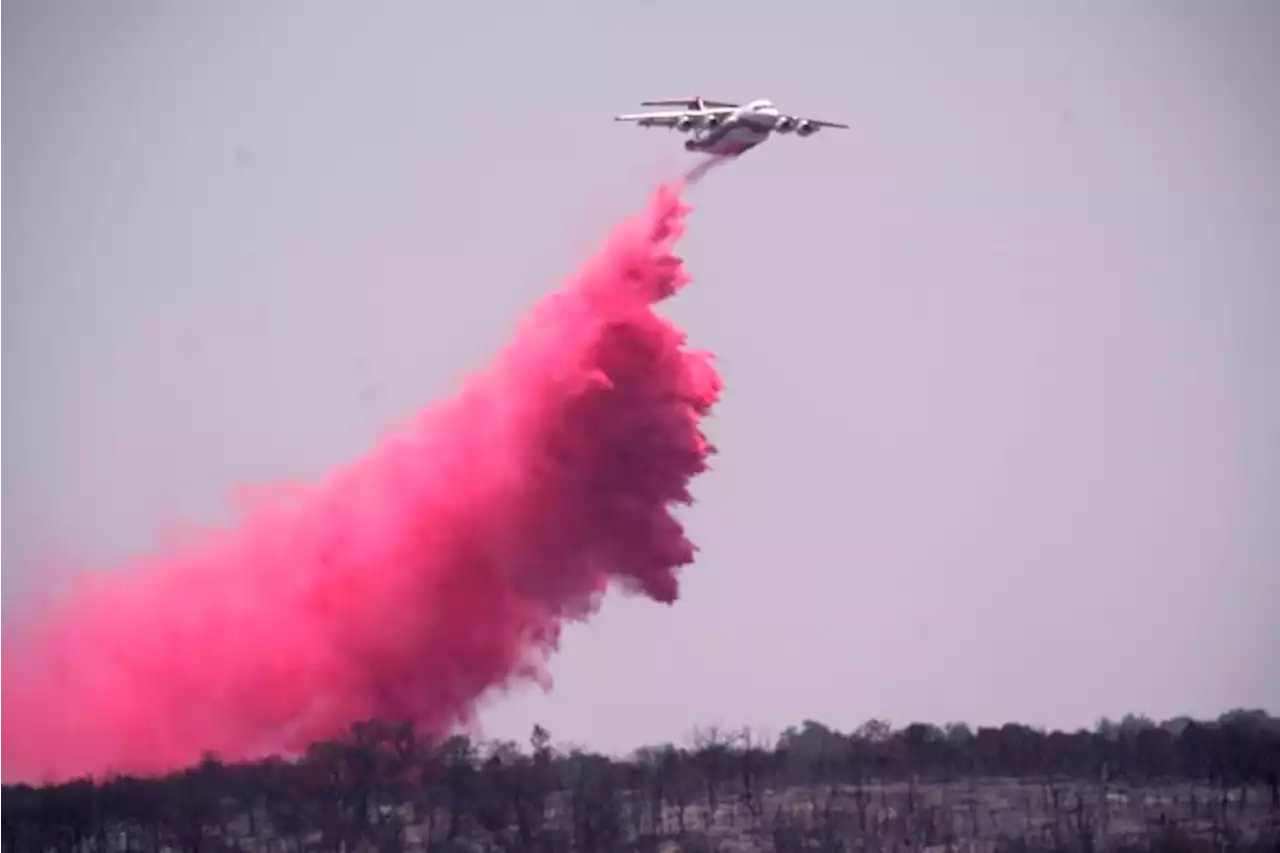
668	118
821	123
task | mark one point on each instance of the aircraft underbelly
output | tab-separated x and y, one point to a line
735	140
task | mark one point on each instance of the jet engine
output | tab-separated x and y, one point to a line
686	124
785	124
711	122
804	128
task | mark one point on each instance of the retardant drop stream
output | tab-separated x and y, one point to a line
408	583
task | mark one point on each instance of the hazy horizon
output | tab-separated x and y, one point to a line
1000	439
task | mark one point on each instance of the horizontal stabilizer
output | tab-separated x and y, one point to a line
694	102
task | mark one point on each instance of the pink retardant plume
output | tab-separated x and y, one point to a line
441	565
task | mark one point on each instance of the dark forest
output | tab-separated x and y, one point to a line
1134	784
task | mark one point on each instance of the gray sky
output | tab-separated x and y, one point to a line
1001	433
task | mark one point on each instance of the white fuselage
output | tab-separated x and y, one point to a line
736	133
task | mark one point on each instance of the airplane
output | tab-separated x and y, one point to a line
723	128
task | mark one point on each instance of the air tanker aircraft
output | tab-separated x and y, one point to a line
723	128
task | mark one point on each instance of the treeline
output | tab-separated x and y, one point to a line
384	786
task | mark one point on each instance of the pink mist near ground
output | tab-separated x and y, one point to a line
408	583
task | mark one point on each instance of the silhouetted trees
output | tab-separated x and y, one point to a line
386	787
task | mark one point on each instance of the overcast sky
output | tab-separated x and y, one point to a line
1001	432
